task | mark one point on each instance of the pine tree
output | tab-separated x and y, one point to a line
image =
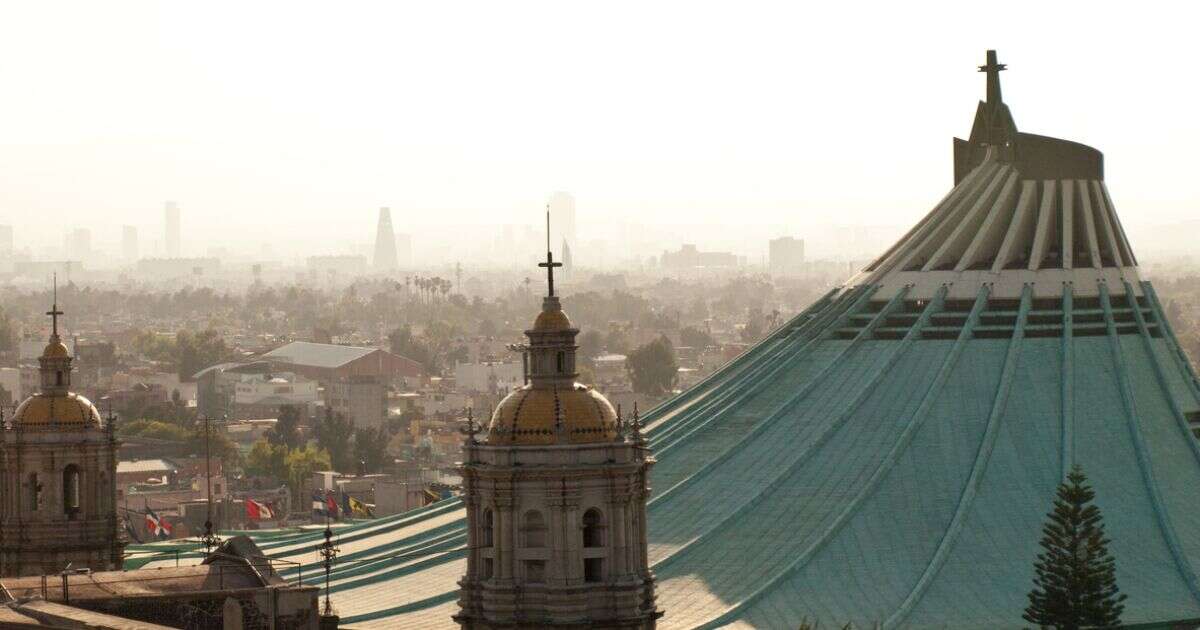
1075	586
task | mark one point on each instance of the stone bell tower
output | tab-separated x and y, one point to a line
58	490
556	494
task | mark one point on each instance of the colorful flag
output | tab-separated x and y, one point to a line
358	508
318	504
256	511
156	526
331	505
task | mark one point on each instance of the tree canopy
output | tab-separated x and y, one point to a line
1075	583
652	367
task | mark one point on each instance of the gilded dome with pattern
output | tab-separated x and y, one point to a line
42	410
56	350
531	416
550	321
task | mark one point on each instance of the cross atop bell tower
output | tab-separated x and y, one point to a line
54	312
549	264
993	70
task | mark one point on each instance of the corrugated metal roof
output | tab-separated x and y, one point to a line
321	355
145	465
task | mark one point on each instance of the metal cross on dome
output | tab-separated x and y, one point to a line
549	264
54	312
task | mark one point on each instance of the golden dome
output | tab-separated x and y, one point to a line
49	411
551	321
528	416
55	350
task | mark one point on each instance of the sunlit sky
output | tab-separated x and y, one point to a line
294	121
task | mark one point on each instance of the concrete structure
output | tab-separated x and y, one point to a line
179	267
385	242
785	256
58	463
362	399
79	244
129	243
172	232
555	497
488	376
261	395
689	257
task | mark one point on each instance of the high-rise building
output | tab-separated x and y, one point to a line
173	234
129	243
562	219
79	245
385	242
786	256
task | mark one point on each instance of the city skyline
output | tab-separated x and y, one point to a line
766	129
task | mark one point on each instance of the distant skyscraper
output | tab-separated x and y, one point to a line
79	246
129	243
385	242
562	219
786	255
171	212
566	256
6	240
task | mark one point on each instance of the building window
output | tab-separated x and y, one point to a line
561	359
35	492
488	567
593	528
535	571
488	527
593	569
71	490
58	378
533	530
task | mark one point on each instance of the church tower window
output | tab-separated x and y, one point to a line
35	492
593	528
534	530
71	490
488	527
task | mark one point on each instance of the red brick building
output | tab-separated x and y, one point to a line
329	363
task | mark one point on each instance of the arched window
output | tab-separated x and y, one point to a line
533	529
58	380
561	360
35	492
488	527
71	490
593	528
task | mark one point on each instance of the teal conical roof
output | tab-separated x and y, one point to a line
889	455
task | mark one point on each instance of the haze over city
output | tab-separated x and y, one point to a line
669	123
619	316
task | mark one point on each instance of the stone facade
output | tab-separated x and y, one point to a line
556	501
557	536
58	491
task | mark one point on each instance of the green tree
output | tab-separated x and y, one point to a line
591	344
333	434
406	344
695	338
301	463
370	448
1075	585
267	460
652	367
196	351
286	431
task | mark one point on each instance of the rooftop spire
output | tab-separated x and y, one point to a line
549	264
54	312
993	69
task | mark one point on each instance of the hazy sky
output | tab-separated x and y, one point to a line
299	119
